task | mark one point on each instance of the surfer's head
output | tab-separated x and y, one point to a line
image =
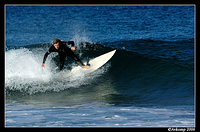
56	43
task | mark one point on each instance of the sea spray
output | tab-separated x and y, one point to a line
23	72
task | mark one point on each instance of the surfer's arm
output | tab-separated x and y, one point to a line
45	56
51	49
68	43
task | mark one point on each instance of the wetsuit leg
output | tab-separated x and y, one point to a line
73	56
62	61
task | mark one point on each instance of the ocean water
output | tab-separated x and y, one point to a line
149	82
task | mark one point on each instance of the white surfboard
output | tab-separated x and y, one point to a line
94	63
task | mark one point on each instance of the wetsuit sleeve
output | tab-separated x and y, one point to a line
68	43
71	42
45	56
51	49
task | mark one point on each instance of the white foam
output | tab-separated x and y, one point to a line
23	72
21	63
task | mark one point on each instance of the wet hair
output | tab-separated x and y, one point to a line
56	41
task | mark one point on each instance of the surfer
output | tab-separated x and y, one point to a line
63	51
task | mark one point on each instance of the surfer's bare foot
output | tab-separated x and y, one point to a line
87	67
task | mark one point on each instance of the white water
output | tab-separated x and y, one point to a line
23	72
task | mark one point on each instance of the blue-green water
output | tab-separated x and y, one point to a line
148	82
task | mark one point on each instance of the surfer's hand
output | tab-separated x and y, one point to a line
43	65
72	48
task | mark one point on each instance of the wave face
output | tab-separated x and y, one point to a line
128	78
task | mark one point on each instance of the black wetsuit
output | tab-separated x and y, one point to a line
63	52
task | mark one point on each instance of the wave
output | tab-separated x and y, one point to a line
180	51
129	77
